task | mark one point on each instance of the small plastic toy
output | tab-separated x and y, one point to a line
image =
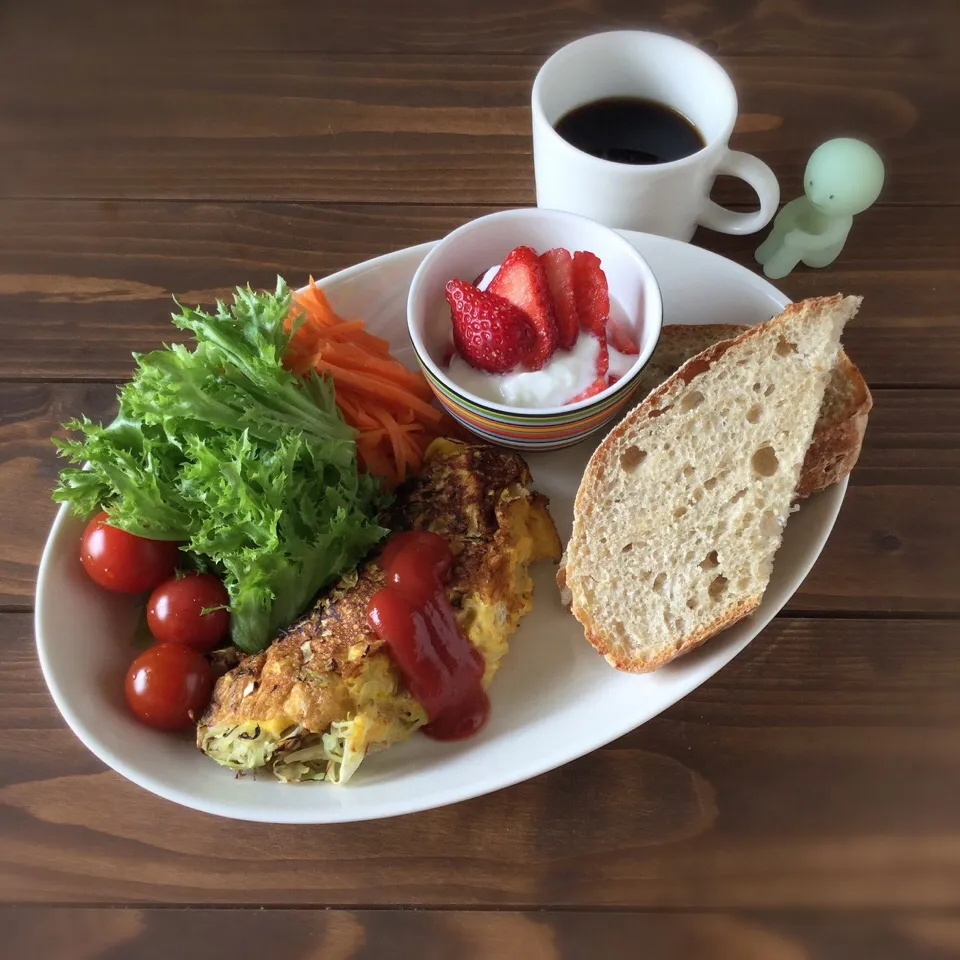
843	178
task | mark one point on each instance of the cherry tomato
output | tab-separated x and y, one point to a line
122	562
175	611
168	686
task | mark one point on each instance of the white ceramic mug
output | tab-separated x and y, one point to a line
670	199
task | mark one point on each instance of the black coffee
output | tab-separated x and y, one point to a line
630	130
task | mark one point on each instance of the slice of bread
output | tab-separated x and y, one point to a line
682	507
837	437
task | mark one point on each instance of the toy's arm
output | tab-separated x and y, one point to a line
792	205
835	232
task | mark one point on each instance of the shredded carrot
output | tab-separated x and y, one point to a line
390	407
343	331
377	386
356	417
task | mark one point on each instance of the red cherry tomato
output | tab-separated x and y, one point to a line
168	686
175	611
122	562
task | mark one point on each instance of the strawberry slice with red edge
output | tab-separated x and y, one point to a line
591	292
522	280
603	358
598	386
558	266
489	332
621	339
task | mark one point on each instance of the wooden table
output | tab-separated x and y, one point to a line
805	803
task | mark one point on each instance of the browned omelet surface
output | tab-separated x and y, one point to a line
329	667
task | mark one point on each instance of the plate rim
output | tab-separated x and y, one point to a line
256	811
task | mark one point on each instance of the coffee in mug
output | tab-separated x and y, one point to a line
631	129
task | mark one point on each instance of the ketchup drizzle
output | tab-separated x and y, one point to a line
412	615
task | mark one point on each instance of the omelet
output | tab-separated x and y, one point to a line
326	692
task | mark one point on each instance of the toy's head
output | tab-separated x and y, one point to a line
843	177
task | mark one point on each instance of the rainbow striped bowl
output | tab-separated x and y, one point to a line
471	250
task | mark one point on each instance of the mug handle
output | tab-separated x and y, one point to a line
764	182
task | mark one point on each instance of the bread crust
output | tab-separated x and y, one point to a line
634	664
604	459
835	447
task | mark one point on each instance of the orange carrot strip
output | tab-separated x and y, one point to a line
298	363
314	301
348	356
411	430
383	415
376	462
391	369
374	344
381	388
396	442
323	317
354	411
371	344
414	445
343	329
342	355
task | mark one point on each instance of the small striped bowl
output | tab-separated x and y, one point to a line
476	246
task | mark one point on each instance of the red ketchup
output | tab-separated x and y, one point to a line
440	667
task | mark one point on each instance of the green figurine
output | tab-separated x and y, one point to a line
843	178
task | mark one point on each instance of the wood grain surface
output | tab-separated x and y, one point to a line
413	128
802	804
853	28
87	282
151	934
782	782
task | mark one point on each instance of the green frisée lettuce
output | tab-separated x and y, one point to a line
223	449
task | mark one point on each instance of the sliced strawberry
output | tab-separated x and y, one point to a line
489	332
522	280
591	293
621	339
558	266
598	386
603	358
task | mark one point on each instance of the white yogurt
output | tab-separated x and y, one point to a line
487	278
562	377
620	363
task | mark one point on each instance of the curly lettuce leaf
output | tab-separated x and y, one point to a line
250	466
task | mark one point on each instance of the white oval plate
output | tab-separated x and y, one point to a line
554	698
